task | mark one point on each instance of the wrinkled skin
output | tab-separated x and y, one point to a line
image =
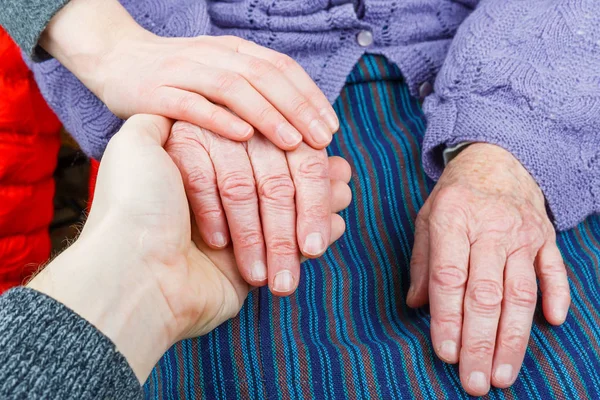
481	238
271	205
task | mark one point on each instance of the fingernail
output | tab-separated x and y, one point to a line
411	292
258	273
504	374
331	119
288	134
283	282
477	382
314	244
241	130
560	313
448	351
319	132
218	240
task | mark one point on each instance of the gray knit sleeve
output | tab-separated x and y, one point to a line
25	20
48	351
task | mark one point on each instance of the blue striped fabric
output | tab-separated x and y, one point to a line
347	332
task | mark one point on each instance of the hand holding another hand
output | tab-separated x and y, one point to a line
272	205
481	238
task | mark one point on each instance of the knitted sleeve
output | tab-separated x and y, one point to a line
525	75
84	116
49	352
25	20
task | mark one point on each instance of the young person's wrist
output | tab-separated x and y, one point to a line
102	278
85	33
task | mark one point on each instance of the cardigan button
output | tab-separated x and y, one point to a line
425	90
364	38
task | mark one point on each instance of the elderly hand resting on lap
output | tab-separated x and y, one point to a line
481	238
140	271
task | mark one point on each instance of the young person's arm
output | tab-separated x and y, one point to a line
133	71
25	21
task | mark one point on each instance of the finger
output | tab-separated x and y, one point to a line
282	94
237	94
293	72
554	284
448	271
482	304
310	173
338	227
145	127
518	306
339	169
187	106
278	214
199	179
341	196
237	188
418	293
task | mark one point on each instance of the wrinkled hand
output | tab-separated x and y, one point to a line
270	204
140	271
481	238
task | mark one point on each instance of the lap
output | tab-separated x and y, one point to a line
347	332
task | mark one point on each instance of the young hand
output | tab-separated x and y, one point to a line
139	272
190	79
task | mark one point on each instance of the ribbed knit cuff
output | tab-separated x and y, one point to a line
26	20
557	161
48	351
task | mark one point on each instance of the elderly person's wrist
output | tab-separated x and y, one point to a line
104	278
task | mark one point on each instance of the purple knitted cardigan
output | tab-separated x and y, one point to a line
522	74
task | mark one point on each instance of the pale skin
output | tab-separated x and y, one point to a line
481	238
140	271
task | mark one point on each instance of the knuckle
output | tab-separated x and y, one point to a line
514	341
214	116
200	180
284	63
283	246
317	212
181	130
480	348
485	296
185	105
277	188
449	276
237	187
259	69
268	113
553	269
558	291
521	291
301	106
450	319
314	167
249	238
210	213
227	82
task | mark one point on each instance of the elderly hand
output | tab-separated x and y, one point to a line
271	204
139	271
481	238
134	71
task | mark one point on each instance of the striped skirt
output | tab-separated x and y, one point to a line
347	332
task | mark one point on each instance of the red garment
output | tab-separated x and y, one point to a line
29	143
